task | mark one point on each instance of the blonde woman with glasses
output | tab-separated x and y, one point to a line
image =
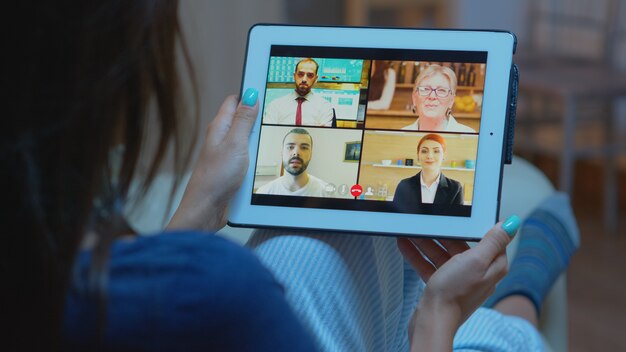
433	96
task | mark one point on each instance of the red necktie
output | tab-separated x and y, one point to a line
299	111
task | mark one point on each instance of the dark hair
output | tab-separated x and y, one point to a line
84	75
298	130
308	59
378	79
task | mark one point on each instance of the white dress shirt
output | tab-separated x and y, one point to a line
428	193
316	111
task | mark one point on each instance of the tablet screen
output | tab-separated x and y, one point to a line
380	130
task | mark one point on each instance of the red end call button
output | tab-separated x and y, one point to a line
356	190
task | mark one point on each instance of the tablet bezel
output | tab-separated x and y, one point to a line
485	205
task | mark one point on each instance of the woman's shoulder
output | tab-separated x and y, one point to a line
187	256
174	262
410	182
174	242
182	286
412	179
455	126
452	183
412	127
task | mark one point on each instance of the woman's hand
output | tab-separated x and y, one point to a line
220	168
458	280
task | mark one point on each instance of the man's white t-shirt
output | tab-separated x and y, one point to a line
316	111
313	188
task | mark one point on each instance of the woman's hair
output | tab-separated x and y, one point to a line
434	69
432	137
378	80
85	77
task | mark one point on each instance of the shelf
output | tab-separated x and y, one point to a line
419	167
469	88
466	115
395	113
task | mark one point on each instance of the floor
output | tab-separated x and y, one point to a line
597	289
597	276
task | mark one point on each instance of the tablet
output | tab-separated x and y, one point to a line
376	131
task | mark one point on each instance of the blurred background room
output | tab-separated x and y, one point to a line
571	112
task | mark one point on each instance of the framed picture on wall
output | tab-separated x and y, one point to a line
352	152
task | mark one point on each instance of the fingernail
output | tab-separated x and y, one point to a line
250	96
511	225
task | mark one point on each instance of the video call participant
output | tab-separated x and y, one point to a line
296	154
429	186
433	97
301	107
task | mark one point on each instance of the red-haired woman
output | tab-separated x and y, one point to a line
430	185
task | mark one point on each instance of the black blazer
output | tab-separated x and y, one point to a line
408	196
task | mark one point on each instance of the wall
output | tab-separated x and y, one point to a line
508	15
216	32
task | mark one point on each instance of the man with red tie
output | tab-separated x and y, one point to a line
301	107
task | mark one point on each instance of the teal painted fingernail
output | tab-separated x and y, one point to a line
511	225
250	97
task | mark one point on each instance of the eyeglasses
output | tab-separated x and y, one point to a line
439	92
